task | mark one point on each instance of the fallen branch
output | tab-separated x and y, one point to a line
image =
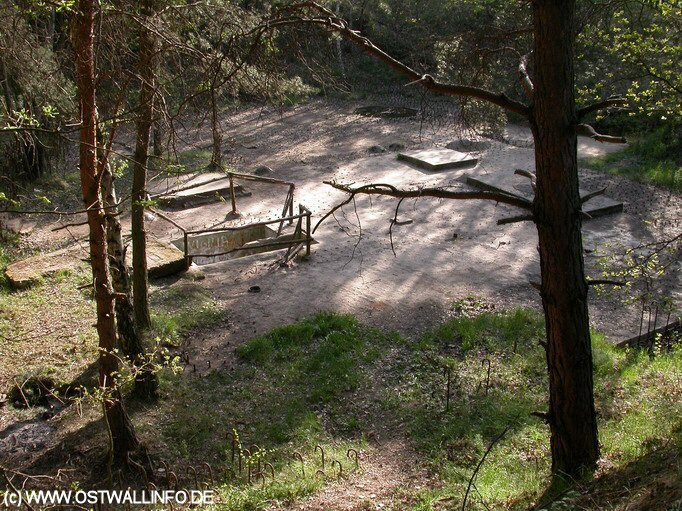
515	219
529	175
393	222
603	282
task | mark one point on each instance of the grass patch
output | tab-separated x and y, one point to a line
647	159
46	330
638	401
290	391
180	309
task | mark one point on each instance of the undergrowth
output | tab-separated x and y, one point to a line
329	380
651	158
286	395
302	385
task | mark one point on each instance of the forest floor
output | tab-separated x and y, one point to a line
452	253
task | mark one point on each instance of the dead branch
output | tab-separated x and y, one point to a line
14	488
602	282
20	388
515	219
589	131
592	195
529	175
330	21
526	82
616	101
166	218
393	222
440	193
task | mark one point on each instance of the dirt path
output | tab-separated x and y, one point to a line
383	469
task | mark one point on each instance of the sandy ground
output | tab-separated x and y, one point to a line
450	250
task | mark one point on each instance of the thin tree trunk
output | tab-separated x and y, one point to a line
217	156
123	438
146	383
147	49
572	418
157	139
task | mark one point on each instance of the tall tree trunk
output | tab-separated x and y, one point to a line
557	214
123	438
572	418
145	112
146	383
217	156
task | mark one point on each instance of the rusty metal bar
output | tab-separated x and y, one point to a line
246	226
307	232
249	177
188	259
233	198
281	243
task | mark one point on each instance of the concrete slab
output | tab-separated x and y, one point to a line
439	158
203	189
509	182
163	259
23	274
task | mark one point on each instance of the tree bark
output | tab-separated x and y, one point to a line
572	418
130	341
145	112
217	155
123	438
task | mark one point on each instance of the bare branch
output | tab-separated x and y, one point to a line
616	101
393	222
440	193
589	131
480	463
331	22
529	175
592	195
602	282
515	219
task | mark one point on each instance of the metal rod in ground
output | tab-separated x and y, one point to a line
245	226
447	391
307	234
282	243
188	260
233	197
